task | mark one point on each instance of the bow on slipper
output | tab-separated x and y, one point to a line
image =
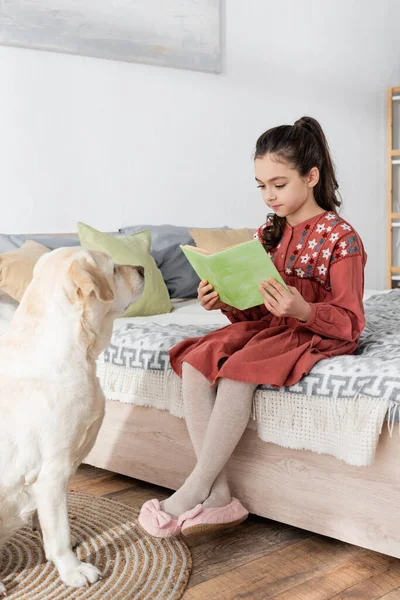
160	524
152	510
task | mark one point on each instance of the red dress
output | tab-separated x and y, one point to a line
324	258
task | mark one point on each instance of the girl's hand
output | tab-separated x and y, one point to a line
284	303
210	299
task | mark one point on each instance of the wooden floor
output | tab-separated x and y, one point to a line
263	559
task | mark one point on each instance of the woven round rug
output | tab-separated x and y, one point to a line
134	566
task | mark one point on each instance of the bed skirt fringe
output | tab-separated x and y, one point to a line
346	428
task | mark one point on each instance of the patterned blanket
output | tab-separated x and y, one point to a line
347	394
374	371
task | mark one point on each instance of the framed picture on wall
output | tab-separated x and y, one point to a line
184	34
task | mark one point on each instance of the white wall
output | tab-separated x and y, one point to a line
114	144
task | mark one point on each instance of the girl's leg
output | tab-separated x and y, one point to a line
228	421
199	400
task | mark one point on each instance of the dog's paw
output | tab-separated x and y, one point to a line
3	591
81	575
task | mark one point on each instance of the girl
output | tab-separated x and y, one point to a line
322	260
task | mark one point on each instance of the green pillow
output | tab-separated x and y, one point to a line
132	250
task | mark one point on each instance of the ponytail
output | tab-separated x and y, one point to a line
304	146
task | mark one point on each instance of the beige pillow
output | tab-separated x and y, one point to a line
215	240
16	268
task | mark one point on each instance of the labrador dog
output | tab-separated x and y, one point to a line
51	403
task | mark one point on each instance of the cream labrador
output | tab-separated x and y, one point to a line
51	403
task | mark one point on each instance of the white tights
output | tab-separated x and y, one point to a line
216	420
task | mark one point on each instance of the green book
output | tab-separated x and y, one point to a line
235	272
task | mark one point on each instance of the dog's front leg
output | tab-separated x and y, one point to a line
36	527
51	498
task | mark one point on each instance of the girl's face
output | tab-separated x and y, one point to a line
282	187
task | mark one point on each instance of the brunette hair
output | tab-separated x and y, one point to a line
304	146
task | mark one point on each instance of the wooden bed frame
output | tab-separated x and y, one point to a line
317	492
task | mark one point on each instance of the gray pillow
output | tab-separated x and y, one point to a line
50	240
13	241
180	278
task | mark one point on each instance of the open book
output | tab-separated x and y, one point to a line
235	272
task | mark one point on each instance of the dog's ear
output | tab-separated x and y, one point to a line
88	279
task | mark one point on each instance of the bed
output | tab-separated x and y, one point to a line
322	456
304	488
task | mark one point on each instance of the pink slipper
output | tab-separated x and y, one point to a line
160	524
213	519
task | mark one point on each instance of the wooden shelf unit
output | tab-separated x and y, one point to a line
393	158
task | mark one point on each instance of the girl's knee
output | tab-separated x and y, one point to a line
187	368
190	372
235	384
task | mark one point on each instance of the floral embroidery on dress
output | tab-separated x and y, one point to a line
329	240
320	245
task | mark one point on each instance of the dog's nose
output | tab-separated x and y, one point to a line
140	271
